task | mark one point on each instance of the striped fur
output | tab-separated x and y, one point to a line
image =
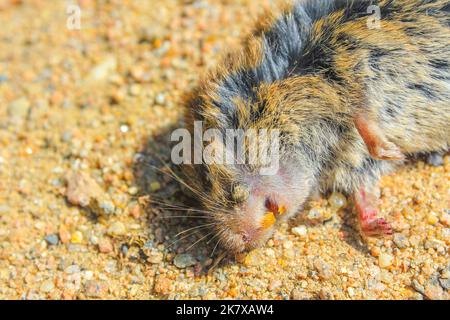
309	68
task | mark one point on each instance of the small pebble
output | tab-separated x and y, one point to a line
351	291
386	277
375	251
287	244
275	284
300	231
73	269
445	283
385	260
82	189
433	243
124	249
117	229
160	99
135	90
432	218
155	257
93	240
103	69
18	109
325	294
337	200
319	215
400	240
135	211
95	289
155	186
133	190
445	219
314	214
47	286
64	235
184	260
299	294
52	239
77	237
107	207
249	259
323	269
105	245
87	274
117	96
435	159
162	285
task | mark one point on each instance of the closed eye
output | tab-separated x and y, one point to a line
271	205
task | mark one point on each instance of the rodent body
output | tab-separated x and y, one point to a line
349	100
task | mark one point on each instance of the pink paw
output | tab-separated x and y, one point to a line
376	228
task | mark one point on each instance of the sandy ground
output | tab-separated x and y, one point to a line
83	115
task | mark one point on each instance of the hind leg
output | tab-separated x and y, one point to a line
371	225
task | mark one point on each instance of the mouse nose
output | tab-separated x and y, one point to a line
245	238
250	235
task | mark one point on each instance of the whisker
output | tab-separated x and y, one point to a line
194	228
209	241
184	237
175	207
217	261
191	246
215	247
179	217
203	196
174	176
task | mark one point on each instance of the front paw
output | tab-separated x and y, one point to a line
378	227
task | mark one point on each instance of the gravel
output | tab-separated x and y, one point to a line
435	159
81	128
400	240
105	245
47	286
117	229
82	190
300	231
95	289
385	260
184	260
52	239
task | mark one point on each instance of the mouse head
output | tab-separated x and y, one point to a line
246	206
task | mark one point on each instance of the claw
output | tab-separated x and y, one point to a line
371	225
376	228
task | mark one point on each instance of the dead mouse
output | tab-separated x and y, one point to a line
350	95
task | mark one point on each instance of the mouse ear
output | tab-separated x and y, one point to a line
378	145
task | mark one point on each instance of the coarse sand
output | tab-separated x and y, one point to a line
84	119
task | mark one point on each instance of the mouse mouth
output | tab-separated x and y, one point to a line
247	233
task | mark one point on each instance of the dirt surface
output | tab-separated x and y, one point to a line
84	120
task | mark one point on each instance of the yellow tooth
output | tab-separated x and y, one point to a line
281	210
268	220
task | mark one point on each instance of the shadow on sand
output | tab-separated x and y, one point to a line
173	217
